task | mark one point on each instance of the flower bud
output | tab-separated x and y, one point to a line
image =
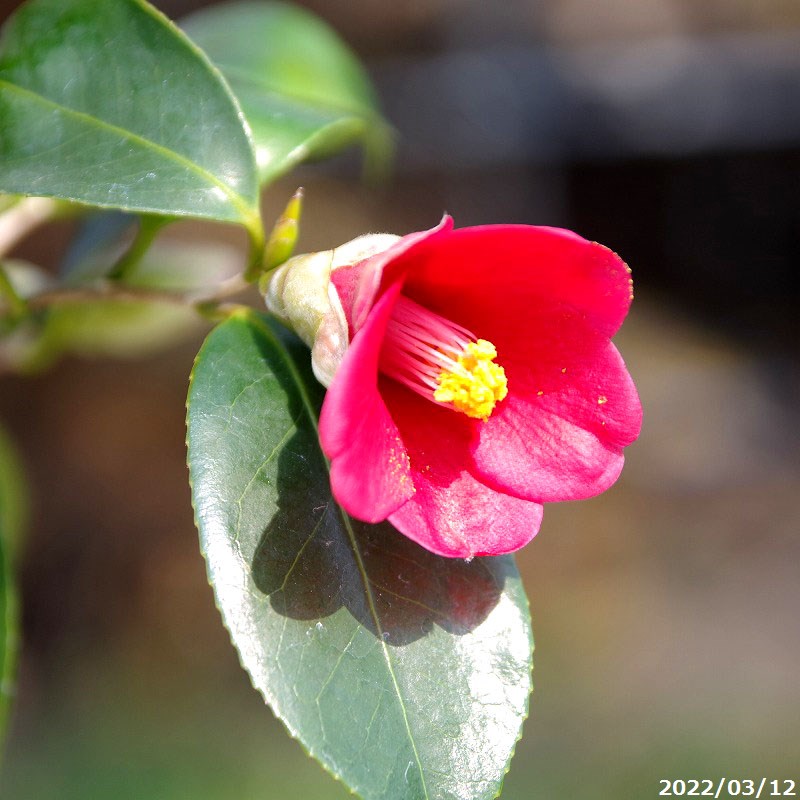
301	294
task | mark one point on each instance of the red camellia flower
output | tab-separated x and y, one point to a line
479	382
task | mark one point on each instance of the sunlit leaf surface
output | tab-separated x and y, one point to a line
108	103
303	92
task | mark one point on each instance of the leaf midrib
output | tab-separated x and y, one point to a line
346	522
238	201
379	628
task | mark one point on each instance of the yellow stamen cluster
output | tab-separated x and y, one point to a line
475	384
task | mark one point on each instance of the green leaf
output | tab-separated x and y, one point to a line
302	90
12	519
406	674
109	104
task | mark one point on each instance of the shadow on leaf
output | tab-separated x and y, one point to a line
306	563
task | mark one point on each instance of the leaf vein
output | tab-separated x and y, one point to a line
379	630
302	548
292	428
237	200
311	412
335	667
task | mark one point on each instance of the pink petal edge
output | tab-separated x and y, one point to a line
370	475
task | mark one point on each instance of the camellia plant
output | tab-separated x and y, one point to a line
368	446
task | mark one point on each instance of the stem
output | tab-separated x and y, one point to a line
256	256
203	302
148	229
266	256
211	306
22	218
100	291
24	215
218	312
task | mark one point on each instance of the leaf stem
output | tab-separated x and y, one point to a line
111	290
218	312
256	255
149	226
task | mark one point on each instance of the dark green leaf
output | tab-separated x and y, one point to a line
108	103
406	674
12	515
303	92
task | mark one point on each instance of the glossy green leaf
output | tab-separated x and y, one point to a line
303	92
12	517
109	104
406	674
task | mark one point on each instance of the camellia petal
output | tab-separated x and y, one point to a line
450	503
370	472
360	284
497	275
561	433
479	382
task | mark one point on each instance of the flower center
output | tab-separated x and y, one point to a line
442	361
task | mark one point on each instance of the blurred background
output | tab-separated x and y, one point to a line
665	611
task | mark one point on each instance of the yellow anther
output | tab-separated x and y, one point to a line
475	384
